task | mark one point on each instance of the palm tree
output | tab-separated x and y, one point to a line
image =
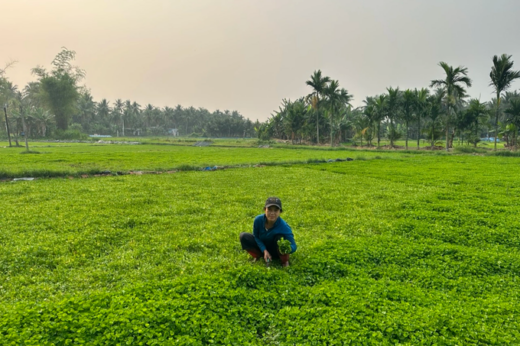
513	112
318	83
33	91
86	109
127	112
433	112
381	112
344	122
421	107
8	92
361	125
336	99
453	88
117	114
22	102
293	115
42	118
501	76
393	105
103	111
475	113
136	114
409	107
370	112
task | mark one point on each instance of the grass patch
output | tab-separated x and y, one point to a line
470	150
506	153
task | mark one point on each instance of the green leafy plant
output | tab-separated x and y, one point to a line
101	260
284	246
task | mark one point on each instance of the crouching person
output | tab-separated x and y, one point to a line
268	228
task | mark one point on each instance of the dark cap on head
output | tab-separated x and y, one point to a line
271	201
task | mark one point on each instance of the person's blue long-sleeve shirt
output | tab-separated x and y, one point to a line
280	227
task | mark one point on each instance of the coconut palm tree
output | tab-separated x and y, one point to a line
103	112
42	117
34	92
501	76
370	112
117	114
318	83
86	111
452	84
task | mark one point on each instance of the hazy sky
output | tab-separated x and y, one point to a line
247	55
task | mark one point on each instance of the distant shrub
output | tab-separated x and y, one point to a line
265	142
75	127
469	150
70	134
507	153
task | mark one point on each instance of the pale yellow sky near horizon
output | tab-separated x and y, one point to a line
247	55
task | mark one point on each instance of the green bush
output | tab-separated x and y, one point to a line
70	135
507	153
470	150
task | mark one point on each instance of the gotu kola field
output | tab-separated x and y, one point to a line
394	248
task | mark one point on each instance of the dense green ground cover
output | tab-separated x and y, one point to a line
83	158
410	249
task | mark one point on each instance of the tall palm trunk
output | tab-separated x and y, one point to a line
378	133
448	130
7	126
447	138
496	120
516	138
419	132
392	132
407	135
317	127
476	133
433	138
331	145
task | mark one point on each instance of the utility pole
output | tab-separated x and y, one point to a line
7	124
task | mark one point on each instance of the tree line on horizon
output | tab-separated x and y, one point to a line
442	111
56	104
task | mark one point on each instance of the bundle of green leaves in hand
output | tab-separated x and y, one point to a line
284	246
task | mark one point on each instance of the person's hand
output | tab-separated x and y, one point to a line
267	256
